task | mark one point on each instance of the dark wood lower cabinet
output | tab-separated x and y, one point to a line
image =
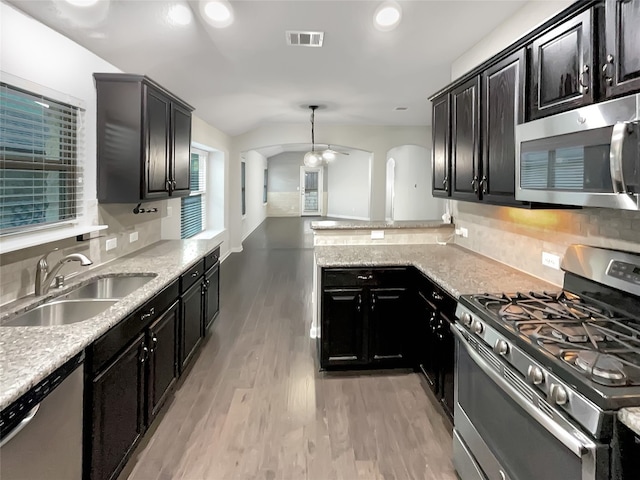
117	414
163	359
343	334
191	323
212	295
389	312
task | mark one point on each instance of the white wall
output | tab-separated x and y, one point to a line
254	183
348	186
412	185
284	184
376	139
523	21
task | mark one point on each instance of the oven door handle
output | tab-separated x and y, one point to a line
574	440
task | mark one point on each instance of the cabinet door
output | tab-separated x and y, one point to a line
502	109
447	365
440	131
465	141
117	411
212	302
180	149
622	68
342	330
388	326
191	331
562	67
157	144
163	359
426	346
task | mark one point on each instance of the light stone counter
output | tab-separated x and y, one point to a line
369	225
29	354
455	269
631	418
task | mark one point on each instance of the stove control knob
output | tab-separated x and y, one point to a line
477	327
535	375
467	319
559	394
501	347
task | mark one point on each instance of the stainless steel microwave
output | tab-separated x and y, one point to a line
589	156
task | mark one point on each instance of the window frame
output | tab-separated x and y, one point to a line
265	188
201	192
243	187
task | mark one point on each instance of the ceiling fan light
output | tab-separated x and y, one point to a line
217	13
179	15
329	155
312	159
387	16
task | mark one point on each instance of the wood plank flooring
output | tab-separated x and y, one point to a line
255	406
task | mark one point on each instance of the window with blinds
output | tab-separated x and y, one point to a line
193	207
243	187
265	186
40	176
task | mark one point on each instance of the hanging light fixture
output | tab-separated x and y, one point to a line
313	158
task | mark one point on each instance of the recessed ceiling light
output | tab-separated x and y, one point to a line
387	16
401	109
218	13
179	15
82	3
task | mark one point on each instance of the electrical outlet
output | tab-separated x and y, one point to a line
133	237
111	244
551	260
464	232
377	234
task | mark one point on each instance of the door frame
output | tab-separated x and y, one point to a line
320	170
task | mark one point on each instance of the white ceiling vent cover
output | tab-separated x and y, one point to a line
304	39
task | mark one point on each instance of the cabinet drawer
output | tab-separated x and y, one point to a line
191	276
211	258
382	277
121	334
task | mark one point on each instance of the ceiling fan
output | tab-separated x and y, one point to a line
318	158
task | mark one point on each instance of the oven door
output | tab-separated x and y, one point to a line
502	433
588	157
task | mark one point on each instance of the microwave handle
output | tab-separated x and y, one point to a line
615	156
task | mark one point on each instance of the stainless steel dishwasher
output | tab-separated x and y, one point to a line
41	432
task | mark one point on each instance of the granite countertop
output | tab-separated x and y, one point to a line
381	225
455	269
29	354
630	416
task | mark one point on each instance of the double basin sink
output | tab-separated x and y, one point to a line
80	304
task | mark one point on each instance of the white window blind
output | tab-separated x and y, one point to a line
193	208
40	175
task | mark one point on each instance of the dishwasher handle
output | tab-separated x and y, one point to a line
20	426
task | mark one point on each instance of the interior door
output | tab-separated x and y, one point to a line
311	197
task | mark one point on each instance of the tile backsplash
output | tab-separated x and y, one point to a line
18	268
518	237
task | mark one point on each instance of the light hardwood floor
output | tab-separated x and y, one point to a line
255	406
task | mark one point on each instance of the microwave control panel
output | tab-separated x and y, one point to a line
624	271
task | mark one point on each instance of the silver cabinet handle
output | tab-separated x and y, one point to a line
365	277
195	274
584	75
18	428
607	70
148	314
569	436
618	136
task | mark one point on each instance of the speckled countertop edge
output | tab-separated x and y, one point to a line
456	270
29	354
368	225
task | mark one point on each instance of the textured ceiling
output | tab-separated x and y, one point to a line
245	75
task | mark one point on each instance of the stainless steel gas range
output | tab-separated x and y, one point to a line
540	376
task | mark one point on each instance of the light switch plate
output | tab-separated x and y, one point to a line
133	237
111	244
551	260
377	234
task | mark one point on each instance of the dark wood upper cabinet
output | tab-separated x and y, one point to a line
621	65
465	140
502	109
562	64
144	139
441	159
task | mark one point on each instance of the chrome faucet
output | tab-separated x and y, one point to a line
44	277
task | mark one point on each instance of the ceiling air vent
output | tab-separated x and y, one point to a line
305	39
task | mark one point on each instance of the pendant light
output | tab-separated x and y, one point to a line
313	158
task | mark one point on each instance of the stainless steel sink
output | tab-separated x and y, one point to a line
109	287
60	312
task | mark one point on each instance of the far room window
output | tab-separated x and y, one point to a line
40	175
243	178
193	207
264	189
